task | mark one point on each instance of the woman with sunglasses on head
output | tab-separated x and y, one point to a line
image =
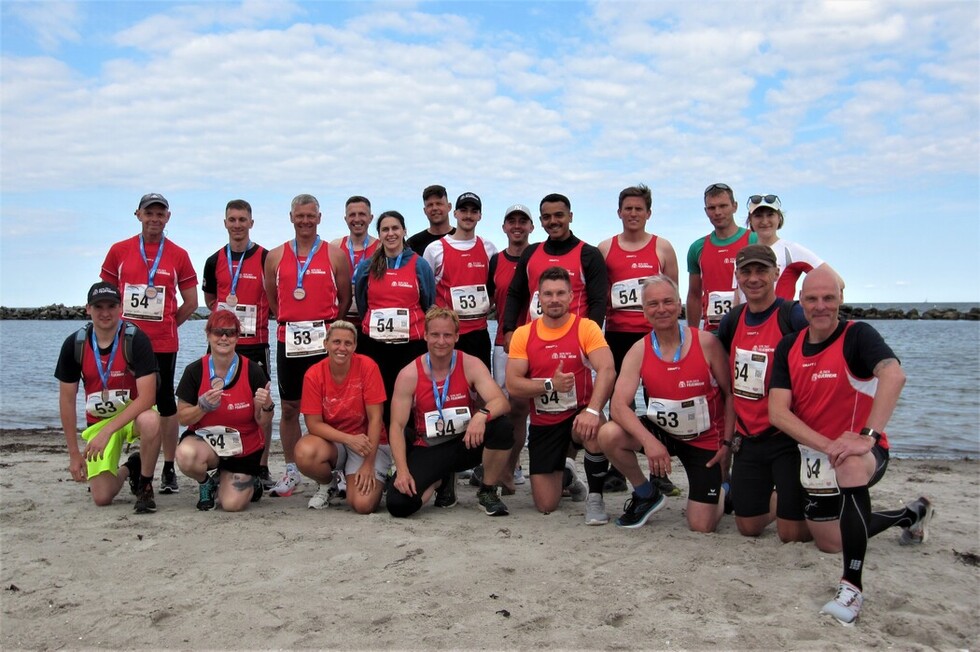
223	399
794	260
394	288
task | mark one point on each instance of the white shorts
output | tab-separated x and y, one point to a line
351	461
500	368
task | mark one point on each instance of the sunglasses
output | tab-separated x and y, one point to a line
224	332
764	199
716	186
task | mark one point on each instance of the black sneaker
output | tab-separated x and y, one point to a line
134	466
446	493
614	482
637	510
168	482
665	486
145	504
267	481
490	502
476	477
206	491
256	489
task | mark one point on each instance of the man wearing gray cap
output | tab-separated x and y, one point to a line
151	270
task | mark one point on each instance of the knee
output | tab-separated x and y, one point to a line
101	499
186	457
831	547
400	506
290	410
704	526
236	504
748	528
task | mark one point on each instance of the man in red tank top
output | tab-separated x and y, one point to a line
834	388
358	244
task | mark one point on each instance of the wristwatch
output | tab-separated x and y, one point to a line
870	432
548	385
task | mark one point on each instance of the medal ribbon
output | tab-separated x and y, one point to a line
398	264
105	371
440	400
231	370
656	344
156	262
301	269
241	263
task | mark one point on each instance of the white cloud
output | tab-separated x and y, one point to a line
52	22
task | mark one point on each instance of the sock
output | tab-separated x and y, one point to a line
881	521
487	487
596	466
209	475
145	481
644	490
168	466
291	467
855	516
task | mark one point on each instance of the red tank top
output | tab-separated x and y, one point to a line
250	291
718	276
464	268
751	356
539	260
120	377
826	396
355	258
543	358
459	394
626	269
237	407
686	379
399	288
503	274
319	282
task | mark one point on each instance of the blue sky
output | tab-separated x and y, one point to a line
862	116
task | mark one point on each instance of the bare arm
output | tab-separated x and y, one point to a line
189	298
624	415
66	409
401	407
693	305
717	359
342	272
668	259
271	265
783	418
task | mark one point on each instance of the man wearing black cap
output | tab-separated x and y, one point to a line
765	459
435	203
150	270
115	363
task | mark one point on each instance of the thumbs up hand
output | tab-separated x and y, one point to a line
564	381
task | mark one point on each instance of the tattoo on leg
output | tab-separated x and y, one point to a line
241	482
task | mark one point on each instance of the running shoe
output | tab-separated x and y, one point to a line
133	463
614	482
918	532
595	510
340	481
519	476
576	488
665	486
638	510
321	499
168	482
846	605
206	491
490	502
476	476
265	478
446	493
289	484
145	504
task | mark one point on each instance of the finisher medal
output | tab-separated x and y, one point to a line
217	382
440	426
151	292
299	294
232	300
105	396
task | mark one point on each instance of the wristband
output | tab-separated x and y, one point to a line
270	408
593	411
870	432
485	412
205	405
726	442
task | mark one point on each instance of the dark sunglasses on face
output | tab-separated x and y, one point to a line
226	332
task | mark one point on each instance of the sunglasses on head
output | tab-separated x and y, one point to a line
763	199
226	332
716	186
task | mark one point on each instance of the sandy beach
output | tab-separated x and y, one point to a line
281	576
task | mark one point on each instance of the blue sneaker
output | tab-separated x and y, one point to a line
637	510
207	490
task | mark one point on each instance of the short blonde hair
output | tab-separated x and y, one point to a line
438	312
342	325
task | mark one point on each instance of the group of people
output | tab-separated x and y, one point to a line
383	346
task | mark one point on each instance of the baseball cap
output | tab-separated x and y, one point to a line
755	253
518	208
103	291
469	198
154	198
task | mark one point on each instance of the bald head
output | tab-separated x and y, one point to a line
823	281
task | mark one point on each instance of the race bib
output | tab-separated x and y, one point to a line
470	301
684	419
554	401
719	303
225	441
136	305
534	310
247	315
305	338
816	475
627	295
390	324
114	403
452	422
750	374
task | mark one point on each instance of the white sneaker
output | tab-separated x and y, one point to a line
321	499
291	483
846	605
595	510
918	532
519	476
576	488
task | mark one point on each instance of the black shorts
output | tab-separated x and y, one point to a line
290	372
761	464
477	344
620	343
259	354
704	484
821	507
247	464
166	401
547	446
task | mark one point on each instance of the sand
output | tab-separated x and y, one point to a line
281	576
